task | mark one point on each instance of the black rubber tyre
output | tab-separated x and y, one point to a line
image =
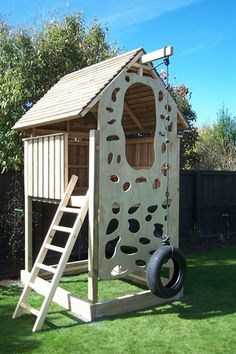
161	256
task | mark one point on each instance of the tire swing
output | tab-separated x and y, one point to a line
167	251
160	257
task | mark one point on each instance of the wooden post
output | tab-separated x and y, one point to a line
28	206
93	250
28	234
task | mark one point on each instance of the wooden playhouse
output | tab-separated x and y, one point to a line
105	124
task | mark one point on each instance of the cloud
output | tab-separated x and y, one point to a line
208	41
127	12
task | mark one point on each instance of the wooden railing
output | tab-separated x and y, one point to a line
46	166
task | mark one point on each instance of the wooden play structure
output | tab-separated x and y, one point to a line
107	125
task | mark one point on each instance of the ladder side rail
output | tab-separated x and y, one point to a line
44	250
61	266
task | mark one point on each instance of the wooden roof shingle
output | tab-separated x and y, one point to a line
72	94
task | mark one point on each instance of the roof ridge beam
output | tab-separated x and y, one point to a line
157	54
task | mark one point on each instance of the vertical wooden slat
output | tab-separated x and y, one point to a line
52	167
35	173
65	161
40	167
46	168
137	155
57	175
144	156
29	169
62	153
26	168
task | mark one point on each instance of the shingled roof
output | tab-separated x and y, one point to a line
74	92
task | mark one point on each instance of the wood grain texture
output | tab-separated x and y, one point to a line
136	231
75	92
46	166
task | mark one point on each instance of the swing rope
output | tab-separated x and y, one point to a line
167	251
166	240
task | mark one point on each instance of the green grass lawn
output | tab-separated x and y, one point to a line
204	322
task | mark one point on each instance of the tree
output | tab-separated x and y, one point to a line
216	145
226	126
31	61
188	156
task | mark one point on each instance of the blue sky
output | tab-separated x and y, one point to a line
203	33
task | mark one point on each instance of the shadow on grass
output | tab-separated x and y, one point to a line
61	319
16	336
210	290
9	291
206	295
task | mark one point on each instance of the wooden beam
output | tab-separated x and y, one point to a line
93	113
77	306
157	54
143	66
130	303
133	116
93	251
140	71
39	132
28	207
28	234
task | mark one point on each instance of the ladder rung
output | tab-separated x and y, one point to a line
47	268
54	248
70	210
29	309
62	228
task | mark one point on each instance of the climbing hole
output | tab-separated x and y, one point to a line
111	247
141	179
115	208
112	121
156	184
112	138
158	230
134	208
160	96
134	225
140	262
114	94
126	186
110	158
128	249
114	178
112	226
144	240
152	208
148	217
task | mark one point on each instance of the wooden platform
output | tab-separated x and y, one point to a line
88	312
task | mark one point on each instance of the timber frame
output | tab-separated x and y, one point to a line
108	130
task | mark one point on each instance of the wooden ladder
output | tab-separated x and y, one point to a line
71	234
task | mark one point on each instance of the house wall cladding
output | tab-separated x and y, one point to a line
207	208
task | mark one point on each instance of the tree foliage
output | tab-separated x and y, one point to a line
216	145
32	60
188	156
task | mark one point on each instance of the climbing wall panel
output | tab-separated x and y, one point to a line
132	199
